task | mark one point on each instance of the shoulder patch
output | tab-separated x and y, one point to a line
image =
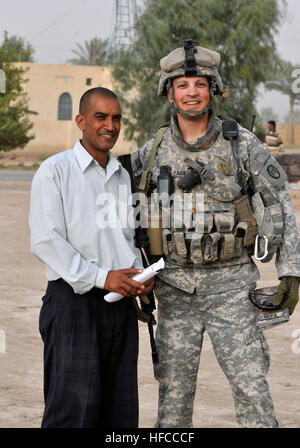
273	171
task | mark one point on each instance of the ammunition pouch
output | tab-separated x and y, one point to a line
220	240
222	232
210	247
267	177
225	232
270	222
247	227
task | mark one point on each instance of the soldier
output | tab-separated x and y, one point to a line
272	137
213	166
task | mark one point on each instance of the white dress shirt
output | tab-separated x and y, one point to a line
78	221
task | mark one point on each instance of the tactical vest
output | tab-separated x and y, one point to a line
213	224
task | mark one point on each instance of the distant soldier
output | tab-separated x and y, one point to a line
272	137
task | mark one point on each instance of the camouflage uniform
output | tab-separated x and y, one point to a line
196	295
241	351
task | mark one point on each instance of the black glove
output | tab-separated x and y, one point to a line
289	286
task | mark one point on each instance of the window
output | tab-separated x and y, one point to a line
65	107
88	81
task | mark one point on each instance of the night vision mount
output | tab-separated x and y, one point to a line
190	62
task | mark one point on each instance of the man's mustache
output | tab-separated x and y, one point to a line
112	133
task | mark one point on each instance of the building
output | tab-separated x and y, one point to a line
54	92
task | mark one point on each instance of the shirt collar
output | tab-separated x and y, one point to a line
85	159
113	166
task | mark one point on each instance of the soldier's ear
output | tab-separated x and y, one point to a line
169	97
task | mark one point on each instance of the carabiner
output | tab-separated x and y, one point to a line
256	247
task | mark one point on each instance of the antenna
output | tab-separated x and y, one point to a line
124	14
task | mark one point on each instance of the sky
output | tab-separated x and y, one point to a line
53	29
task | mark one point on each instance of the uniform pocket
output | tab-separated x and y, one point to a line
177	249
46	298
251	335
255	334
46	315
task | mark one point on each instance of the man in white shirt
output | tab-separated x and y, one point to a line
81	229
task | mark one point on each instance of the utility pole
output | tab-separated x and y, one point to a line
124	14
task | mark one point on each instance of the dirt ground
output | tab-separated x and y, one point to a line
22	284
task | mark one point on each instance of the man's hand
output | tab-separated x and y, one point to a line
149	285
120	281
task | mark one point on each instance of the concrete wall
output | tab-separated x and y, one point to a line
290	163
46	82
283	129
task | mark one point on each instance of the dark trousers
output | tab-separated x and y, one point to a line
90	359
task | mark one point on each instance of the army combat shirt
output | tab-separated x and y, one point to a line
216	151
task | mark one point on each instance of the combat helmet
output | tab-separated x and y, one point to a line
192	60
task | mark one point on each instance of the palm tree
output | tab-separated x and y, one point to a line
283	83
93	52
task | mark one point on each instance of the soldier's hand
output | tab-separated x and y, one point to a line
290	286
145	300
120	281
141	315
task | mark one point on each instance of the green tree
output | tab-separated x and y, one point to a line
93	52
14	49
14	111
283	82
242	31
266	114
